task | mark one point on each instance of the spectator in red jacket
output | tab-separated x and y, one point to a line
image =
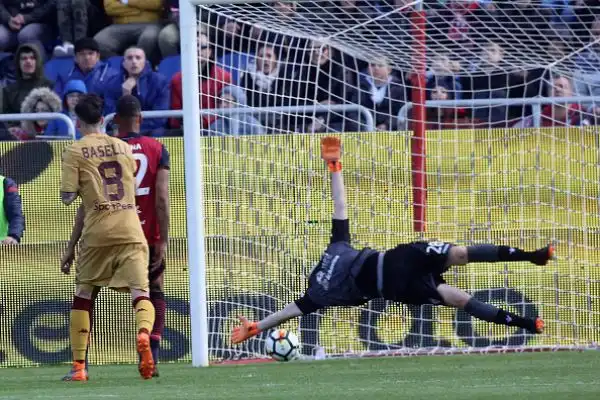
557	114
212	80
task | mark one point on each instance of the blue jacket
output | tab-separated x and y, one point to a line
13	209
57	127
95	80
152	91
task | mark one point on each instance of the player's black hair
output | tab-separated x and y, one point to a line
89	109
128	106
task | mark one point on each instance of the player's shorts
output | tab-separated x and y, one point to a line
413	271
121	267
152	275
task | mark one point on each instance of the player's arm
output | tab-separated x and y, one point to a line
249	329
331	151
303	306
69	254
162	195
69	183
77	228
162	207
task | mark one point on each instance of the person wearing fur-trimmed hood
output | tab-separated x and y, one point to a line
37	101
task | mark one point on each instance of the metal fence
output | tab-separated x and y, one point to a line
535	103
42	117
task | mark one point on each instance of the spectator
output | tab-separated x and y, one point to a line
587	75
237	123
446	117
40	100
382	93
212	79
72	16
168	38
526	23
87	68
134	23
150	88
488	80
12	219
322	80
557	114
443	73
26	22
29	74
265	82
292	47
73	91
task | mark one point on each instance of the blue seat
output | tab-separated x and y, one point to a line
58	66
169	66
4	55
115	62
235	63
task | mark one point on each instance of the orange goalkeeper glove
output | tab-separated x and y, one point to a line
244	331
331	152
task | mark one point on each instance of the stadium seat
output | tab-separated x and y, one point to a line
115	62
235	63
56	66
4	55
169	66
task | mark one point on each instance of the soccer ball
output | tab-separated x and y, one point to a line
282	345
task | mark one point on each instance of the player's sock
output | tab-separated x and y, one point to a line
493	253
144	313
160	307
490	313
79	327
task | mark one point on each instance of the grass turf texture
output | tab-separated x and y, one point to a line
510	376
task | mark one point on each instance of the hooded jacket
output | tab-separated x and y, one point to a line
58	127
237	123
14	94
152	90
94	80
44	95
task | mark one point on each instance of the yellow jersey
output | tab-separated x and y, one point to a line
101	169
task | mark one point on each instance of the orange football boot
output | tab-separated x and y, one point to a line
77	373
146	365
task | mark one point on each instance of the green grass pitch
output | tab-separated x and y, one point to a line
548	376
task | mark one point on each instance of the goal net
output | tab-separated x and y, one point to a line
508	160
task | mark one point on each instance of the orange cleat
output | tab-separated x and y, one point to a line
146	365
539	325
545	254
77	373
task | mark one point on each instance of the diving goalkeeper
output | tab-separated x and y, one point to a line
410	273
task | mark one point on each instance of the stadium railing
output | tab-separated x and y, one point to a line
536	104
42	117
369	122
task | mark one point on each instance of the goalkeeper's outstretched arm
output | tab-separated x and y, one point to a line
249	329
331	152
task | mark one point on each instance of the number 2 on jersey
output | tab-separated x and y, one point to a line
140	173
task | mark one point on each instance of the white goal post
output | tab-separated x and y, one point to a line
473	169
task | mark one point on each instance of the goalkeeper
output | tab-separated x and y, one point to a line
410	273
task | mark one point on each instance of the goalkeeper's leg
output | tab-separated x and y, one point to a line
461	255
487	312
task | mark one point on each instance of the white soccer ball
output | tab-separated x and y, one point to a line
282	345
